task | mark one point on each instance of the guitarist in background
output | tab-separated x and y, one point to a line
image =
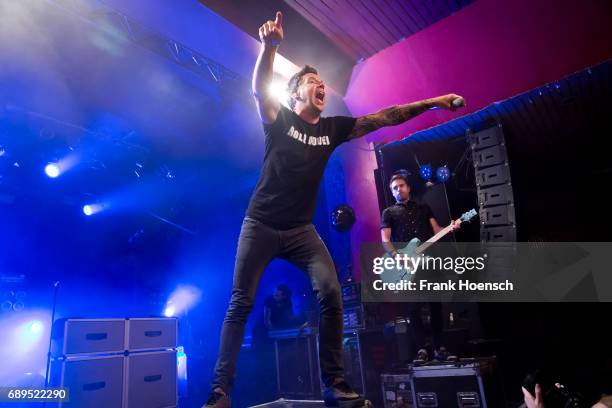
407	219
402	222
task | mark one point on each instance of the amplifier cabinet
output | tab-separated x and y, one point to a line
297	367
89	336
151	379
297	363
151	333
116	363
93	382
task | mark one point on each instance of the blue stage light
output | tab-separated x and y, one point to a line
183	298
87	210
52	170
56	168
443	174
91	209
35	327
425	172
169	311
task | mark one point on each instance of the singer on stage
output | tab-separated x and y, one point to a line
278	221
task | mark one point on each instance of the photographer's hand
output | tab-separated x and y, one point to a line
604	402
532	402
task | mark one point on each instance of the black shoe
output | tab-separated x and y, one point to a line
217	400
342	395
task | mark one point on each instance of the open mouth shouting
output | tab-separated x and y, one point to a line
320	96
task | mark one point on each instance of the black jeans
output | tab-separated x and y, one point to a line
257	246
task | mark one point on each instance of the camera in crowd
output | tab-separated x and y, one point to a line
554	394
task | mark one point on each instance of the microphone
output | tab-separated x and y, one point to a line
458	102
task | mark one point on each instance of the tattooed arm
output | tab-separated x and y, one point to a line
396	115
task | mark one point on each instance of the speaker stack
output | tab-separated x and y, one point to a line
496	200
116	363
493	184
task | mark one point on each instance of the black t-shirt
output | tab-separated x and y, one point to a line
408	220
295	157
281	314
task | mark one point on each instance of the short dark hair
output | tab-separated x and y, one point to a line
294	82
399	176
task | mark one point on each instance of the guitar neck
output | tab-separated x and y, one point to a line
423	247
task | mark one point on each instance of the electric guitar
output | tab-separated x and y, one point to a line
415	248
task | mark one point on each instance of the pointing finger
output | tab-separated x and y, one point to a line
538	391
279	19
527	395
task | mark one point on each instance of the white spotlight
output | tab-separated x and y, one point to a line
91	209
279	90
52	170
183	298
35	327
169	311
